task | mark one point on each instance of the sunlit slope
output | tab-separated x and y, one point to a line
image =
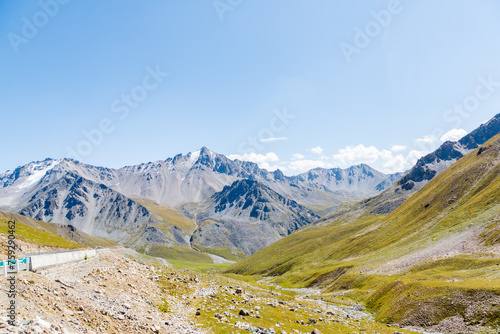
33	235
50	234
461	204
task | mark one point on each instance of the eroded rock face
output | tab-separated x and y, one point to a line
248	216
106	202
434	163
97	210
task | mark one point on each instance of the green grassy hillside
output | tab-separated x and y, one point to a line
378	259
36	236
49	234
167	214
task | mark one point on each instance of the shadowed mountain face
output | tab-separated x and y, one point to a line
195	177
99	211
252	207
427	168
355	182
106	202
248	215
437	250
434	163
245	206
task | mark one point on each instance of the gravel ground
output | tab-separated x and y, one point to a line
119	296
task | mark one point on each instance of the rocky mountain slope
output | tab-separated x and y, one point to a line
98	210
424	170
193	178
248	216
120	204
352	183
434	163
49	234
418	265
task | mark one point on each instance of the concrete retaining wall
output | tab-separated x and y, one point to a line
53	259
71	272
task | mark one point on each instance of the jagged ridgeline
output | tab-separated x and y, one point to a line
431	259
163	206
204	201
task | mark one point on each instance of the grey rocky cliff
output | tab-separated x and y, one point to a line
102	201
434	163
248	216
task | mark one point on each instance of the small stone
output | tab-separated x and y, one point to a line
36	329
239	291
315	331
244	313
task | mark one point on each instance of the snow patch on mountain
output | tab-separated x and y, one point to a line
38	172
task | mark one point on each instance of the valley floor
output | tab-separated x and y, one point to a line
114	293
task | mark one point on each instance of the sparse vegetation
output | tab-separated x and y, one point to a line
350	256
39	237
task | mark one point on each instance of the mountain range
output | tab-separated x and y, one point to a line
430	260
416	249
198	195
206	201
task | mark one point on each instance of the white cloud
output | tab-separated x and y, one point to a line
354	155
255	157
272	139
401	163
429	139
397	148
263	160
316	150
395	164
387	160
297	156
271	168
305	165
453	135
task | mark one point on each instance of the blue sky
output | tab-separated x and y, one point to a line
289	84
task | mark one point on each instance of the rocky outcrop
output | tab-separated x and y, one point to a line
97	210
248	216
352	183
434	163
103	201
